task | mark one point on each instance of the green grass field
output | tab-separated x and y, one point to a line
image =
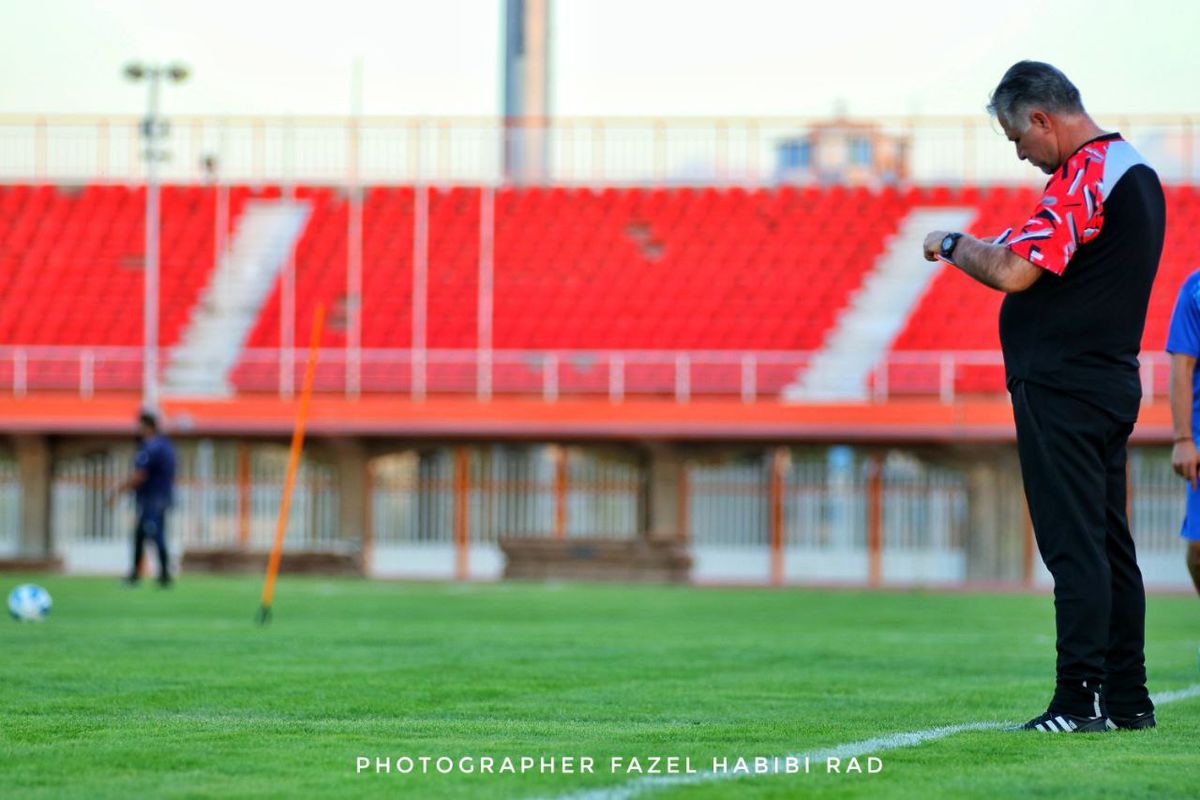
125	693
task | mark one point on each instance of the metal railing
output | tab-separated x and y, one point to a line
227	496
681	375
582	151
482	494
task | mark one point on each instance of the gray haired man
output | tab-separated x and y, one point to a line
1077	277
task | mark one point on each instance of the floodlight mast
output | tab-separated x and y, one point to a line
152	130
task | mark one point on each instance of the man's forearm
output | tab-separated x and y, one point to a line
986	263
993	265
132	482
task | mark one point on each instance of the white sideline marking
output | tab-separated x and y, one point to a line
866	747
1176	695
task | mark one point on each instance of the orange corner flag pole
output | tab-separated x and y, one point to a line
268	593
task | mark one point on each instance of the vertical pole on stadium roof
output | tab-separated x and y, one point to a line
487	240
150	273
287	316
221	211
152	131
420	286
354	244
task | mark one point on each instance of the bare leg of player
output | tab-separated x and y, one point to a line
1193	563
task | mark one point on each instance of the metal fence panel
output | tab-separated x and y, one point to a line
412	497
510	490
212	509
1157	499
728	502
79	498
604	494
924	507
824	500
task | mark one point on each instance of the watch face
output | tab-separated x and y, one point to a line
947	244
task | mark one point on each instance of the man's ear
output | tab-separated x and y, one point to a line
1040	120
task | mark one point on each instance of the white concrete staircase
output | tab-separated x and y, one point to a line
877	313
265	236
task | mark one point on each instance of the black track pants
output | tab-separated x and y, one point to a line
1073	458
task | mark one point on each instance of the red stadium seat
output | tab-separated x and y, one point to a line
74	260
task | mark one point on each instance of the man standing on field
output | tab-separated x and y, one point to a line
1183	343
153	485
1077	277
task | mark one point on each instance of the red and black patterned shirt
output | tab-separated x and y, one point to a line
1098	230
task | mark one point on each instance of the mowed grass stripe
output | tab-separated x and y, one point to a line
179	694
860	750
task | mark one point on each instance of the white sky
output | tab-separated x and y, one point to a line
611	57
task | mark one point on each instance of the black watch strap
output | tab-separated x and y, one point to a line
949	242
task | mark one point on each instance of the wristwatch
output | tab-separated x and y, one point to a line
946	250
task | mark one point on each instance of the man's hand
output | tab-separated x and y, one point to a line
1186	461
933	244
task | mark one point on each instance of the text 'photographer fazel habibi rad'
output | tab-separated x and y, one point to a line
617	765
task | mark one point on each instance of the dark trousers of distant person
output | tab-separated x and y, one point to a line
151	525
1073	456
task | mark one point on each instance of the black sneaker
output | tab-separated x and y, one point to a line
131	583
1138	722
1051	722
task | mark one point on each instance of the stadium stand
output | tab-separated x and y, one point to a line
957	313
666	269
71	264
71	260
694	269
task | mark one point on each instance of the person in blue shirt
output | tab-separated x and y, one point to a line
153	485
1183	343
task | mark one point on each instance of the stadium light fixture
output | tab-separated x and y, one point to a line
153	130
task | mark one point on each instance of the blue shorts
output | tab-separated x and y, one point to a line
1191	520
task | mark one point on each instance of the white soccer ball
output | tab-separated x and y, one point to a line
29	603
